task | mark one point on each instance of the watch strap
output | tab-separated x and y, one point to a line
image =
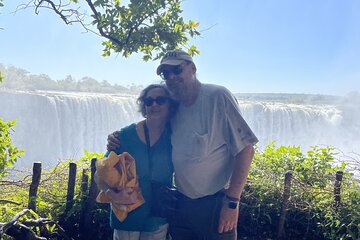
232	198
231	202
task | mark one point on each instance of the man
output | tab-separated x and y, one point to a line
212	152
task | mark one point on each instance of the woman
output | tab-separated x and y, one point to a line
148	142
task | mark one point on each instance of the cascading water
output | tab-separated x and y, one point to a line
293	124
52	125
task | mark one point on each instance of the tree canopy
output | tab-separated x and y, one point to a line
150	27
20	79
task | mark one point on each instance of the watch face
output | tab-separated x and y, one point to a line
232	205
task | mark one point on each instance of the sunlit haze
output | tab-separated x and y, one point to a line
249	46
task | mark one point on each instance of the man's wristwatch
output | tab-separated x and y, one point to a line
233	205
231	202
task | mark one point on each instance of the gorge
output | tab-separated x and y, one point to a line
60	125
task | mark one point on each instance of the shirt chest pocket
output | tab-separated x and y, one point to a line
199	147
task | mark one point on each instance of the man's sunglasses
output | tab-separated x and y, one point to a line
160	100
176	70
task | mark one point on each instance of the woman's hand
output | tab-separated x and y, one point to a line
113	142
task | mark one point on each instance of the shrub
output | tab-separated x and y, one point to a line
311	213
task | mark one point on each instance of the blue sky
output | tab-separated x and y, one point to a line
252	46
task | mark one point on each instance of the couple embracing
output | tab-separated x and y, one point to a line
195	131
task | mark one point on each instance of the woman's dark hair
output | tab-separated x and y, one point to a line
173	105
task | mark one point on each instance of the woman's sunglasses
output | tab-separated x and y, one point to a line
160	100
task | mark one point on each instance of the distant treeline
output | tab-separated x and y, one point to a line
20	79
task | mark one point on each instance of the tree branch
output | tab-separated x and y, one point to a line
100	28
23	230
4	201
127	29
5	226
139	23
43	221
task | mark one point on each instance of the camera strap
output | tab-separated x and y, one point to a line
147	139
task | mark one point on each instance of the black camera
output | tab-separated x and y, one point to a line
157	199
164	200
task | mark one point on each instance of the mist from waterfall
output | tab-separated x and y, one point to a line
52	126
60	125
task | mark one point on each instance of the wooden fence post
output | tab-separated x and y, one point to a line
84	181
86	218
337	189
71	187
34	185
284	206
93	191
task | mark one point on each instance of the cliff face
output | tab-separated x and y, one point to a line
53	125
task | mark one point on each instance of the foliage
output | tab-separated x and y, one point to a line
311	212
8	153
150	27
90	155
51	199
20	79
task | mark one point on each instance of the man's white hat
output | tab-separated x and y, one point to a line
174	58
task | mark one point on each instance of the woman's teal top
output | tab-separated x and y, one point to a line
140	219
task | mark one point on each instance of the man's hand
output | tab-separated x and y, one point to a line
125	196
228	218
113	141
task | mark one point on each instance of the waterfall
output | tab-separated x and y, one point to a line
52	126
293	124
60	125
